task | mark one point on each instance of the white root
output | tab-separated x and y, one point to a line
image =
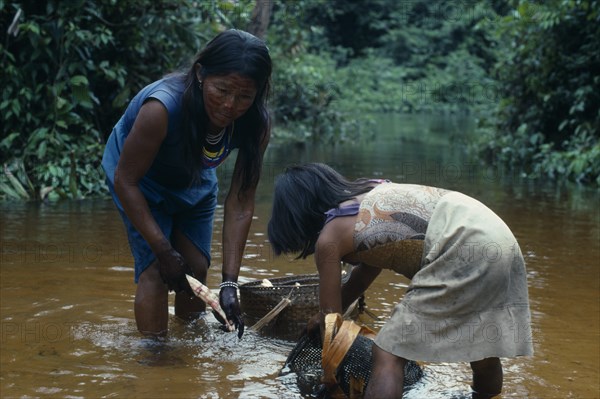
204	293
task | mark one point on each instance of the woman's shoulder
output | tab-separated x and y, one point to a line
168	91
337	236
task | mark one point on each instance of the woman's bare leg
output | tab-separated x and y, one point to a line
187	306
151	303
387	376
487	378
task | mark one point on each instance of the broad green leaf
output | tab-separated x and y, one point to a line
18	187
79	80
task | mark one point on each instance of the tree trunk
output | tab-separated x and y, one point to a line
260	18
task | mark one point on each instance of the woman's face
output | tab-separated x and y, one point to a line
227	97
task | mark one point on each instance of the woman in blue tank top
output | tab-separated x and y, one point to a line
160	162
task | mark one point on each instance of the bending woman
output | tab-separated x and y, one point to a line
160	163
468	298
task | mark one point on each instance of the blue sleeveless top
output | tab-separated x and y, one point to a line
169	168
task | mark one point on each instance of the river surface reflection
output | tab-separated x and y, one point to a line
66	285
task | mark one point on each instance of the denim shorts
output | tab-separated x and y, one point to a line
189	210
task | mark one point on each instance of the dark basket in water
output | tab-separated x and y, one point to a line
256	301
305	361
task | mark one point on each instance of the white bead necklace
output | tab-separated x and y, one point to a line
215	139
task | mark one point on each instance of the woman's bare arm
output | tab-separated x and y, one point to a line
139	150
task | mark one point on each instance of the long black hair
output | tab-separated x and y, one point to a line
231	51
301	197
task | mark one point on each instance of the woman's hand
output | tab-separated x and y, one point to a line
173	269
313	326
229	303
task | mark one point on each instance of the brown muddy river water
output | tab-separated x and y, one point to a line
66	286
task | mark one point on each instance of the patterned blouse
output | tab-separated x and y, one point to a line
391	224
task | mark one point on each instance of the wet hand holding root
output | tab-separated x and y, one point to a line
204	293
172	269
229	301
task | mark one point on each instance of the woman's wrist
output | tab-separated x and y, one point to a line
161	246
231	284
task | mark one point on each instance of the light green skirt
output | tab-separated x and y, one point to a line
469	300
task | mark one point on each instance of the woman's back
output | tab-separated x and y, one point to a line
391	224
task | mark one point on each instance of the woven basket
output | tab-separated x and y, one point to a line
256	301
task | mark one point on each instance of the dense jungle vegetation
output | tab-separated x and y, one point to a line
528	71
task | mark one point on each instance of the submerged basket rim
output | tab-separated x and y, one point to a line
283	283
256	299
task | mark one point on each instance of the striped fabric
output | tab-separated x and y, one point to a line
214	155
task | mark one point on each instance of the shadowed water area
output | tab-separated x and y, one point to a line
66	285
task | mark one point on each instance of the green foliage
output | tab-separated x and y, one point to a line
305	101
338	61
354	25
306	94
377	84
418	56
548	123
373	84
